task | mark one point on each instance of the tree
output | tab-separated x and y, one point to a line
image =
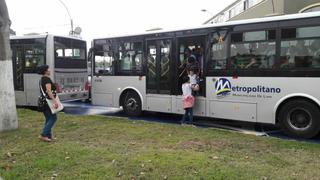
8	112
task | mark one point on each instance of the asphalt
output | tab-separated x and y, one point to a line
83	108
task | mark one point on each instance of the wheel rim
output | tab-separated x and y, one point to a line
299	119
132	104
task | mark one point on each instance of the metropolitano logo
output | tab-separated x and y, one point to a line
223	87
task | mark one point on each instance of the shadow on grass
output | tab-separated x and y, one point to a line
80	108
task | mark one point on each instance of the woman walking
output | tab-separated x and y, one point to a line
49	89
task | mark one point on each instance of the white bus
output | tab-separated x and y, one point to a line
66	57
261	70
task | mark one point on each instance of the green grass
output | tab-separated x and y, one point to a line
96	147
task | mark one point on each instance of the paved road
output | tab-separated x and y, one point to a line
80	108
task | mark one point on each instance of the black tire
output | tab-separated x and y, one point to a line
300	118
132	104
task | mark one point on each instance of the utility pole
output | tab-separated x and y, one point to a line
71	21
8	112
273	9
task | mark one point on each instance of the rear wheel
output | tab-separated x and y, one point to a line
300	118
132	104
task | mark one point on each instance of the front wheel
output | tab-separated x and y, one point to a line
300	118
132	104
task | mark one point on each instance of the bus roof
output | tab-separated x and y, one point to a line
229	23
34	36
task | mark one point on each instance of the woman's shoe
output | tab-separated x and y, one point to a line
45	139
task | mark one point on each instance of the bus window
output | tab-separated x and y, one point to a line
104	63
130	57
59	53
69	53
79	54
190	46
31	53
300	48
152	67
34	56
218	51
253	50
165	50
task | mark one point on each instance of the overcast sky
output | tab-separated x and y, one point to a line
101	18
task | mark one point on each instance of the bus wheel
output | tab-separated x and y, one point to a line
300	118
132	104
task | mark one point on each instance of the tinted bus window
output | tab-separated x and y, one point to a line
255	36
32	52
300	48
130	57
253	50
34	56
218	53
308	32
70	53
103	63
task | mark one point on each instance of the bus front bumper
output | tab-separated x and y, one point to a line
73	96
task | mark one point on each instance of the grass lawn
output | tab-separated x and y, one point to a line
96	147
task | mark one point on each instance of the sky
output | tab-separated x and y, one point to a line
103	18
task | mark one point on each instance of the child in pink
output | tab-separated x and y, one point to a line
187	101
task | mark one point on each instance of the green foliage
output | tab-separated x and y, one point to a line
97	147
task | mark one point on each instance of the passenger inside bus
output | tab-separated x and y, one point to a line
183	65
294	54
151	65
301	55
267	52
217	55
198	53
192	63
253	55
191	57
315	52
125	62
241	56
254	59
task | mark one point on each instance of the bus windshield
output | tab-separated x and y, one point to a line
70	53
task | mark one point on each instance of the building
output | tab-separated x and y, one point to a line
12	32
246	9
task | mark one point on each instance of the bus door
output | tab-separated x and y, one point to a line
17	62
194	46
159	81
191	46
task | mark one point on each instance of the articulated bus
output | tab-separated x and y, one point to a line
66	57
261	70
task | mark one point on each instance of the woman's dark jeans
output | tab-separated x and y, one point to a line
50	120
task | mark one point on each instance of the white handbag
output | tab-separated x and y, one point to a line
50	103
